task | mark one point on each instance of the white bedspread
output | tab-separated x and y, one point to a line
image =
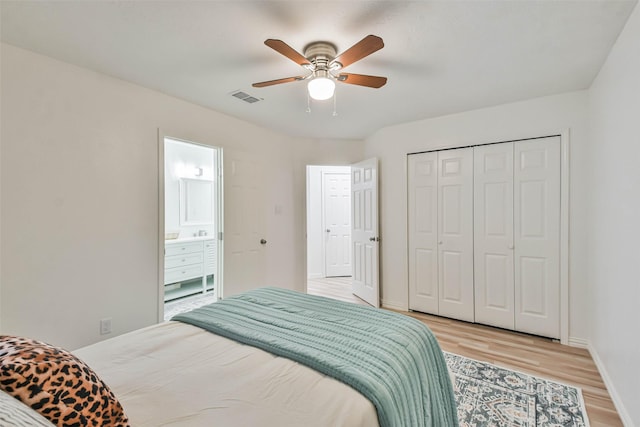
174	374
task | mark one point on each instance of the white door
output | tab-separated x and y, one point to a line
493	235
245	265
423	231
537	241
455	234
364	230
336	188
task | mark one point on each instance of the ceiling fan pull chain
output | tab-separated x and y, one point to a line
335	95
308	103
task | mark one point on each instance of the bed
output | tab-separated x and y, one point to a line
273	357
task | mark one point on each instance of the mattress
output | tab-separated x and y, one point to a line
393	360
210	380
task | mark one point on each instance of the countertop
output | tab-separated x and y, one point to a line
188	239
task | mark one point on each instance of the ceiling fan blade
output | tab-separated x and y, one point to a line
286	50
363	48
362	80
278	81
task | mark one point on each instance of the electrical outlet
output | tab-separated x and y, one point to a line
105	326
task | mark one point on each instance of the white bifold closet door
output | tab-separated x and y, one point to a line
484	234
493	235
441	233
536	179
517	235
455	233
423	232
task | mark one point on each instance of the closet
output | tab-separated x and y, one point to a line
484	234
441	233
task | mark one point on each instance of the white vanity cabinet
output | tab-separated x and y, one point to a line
186	260
210	258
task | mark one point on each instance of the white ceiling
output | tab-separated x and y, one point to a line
440	57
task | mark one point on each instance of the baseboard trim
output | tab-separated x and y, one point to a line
393	305
615	397
578	342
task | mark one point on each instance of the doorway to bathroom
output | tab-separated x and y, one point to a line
192	226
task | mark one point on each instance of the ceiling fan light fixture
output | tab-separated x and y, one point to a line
321	88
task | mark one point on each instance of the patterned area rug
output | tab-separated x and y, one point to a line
492	396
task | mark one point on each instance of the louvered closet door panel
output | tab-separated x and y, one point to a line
493	235
423	232
455	233
537	236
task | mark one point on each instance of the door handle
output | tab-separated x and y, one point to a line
374	239
263	242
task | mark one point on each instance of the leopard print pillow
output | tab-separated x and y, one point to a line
57	384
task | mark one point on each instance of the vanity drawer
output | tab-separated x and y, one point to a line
182	260
209	257
210	246
177	274
182	248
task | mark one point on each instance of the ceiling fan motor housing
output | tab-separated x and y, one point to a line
320	55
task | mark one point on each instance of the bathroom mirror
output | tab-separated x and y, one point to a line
196	202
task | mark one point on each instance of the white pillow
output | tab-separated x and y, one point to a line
17	414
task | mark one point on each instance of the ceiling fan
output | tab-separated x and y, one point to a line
325	67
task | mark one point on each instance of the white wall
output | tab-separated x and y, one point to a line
315	254
526	119
80	192
614	221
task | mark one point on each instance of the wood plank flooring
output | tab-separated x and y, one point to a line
529	354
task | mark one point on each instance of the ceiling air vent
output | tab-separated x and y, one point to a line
245	97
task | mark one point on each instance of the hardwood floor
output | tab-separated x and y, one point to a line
533	355
333	287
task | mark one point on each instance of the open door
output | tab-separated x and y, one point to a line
245	224
364	230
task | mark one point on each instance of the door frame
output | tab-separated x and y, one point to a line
322	169
219	219
564	135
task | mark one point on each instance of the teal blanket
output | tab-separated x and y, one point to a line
391	359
